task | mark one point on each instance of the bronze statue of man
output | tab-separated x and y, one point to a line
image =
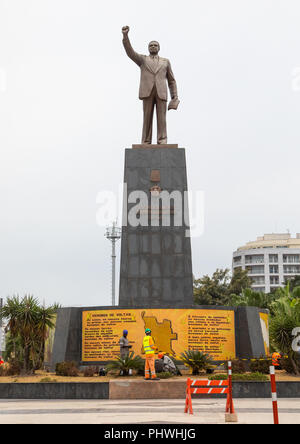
156	72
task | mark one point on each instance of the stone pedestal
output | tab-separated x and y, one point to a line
140	389
156	265
68	338
161	146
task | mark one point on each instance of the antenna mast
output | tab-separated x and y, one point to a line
113	234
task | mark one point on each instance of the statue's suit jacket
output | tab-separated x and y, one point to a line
149	77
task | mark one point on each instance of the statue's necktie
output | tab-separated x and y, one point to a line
154	62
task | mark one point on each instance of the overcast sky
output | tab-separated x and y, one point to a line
69	106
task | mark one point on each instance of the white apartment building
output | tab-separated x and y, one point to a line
270	260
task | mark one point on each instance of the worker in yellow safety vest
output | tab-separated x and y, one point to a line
149	350
276	357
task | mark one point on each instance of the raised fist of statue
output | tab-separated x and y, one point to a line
125	30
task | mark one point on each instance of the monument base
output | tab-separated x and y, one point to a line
89	336
139	389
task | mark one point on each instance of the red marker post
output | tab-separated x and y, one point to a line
229	406
230	415
274	394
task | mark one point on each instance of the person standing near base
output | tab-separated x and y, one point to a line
149	350
124	345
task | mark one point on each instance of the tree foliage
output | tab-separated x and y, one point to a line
251	298
285	317
294	282
283	305
216	290
27	324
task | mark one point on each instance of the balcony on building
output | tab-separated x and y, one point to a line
255	270
273	258
237	261
291	269
291	258
254	259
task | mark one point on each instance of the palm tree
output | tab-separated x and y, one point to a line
125	364
13	348
10	311
27	323
45	321
286	316
289	291
294	282
196	360
251	298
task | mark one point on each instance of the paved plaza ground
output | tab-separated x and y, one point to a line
40	375
250	411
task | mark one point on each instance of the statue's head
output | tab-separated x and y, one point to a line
154	47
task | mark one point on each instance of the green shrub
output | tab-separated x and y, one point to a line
67	368
196	360
256	376
89	372
47	379
218	377
237	366
260	365
14	368
123	365
241	377
165	375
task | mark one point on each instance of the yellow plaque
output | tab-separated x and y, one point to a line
173	330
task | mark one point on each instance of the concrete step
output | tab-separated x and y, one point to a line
141	389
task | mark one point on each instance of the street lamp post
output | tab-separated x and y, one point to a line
113	233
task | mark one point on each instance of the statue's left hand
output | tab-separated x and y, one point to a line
174	103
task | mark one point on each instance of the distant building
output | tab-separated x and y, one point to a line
271	260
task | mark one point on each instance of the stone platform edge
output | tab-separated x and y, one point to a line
137	389
175	389
154	146
141	389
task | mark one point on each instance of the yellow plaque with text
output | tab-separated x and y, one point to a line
173	330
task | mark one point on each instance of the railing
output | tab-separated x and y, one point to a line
254	273
261	261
